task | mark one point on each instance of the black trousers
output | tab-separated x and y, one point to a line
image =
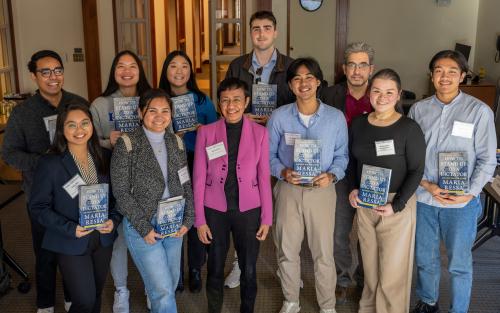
197	252
45	269
244	227
85	275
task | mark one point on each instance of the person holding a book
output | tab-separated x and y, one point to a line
453	122
388	155
149	168
127	81
178	80
305	192
83	248
28	135
232	191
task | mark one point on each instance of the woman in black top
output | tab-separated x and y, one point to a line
387	139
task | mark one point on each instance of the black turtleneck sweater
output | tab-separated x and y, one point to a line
233	132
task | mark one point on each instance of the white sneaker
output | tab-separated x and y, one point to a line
290	307
233	279
148	302
67	306
327	311
46	310
121	305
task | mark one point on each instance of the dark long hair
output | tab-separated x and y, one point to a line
60	144
142	84
191	83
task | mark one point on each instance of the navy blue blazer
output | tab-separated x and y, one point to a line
53	207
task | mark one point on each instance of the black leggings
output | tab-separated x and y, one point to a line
85	275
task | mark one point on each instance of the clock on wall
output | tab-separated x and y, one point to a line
311	5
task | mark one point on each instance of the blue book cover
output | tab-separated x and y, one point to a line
126	116
169	216
264	99
374	186
93	201
307	159
184	113
453	172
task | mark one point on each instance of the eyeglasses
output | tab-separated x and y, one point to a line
46	72
85	124
258	74
235	101
361	66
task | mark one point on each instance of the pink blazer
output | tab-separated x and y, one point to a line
252	171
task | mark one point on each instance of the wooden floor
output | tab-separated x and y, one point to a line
17	240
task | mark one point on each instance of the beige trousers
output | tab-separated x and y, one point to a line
387	247
313	210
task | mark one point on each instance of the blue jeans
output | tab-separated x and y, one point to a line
119	260
158	265
457	228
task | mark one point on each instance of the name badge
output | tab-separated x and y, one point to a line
385	147
216	151
461	129
183	175
72	185
290	138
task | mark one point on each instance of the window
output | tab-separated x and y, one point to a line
7	68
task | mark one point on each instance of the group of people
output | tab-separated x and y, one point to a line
223	171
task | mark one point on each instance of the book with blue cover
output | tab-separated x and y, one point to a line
374	186
184	115
264	99
307	159
126	116
169	216
453	172
93	202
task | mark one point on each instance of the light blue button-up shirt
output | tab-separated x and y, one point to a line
266	69
437	121
328	125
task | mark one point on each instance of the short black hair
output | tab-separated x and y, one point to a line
310	63
40	55
151	94
456	56
231	84
263	15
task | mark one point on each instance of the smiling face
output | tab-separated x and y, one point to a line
304	84
157	116
263	34
446	77
126	71
178	72
48	86
384	95
232	104
77	128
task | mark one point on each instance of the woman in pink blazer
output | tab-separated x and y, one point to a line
232	192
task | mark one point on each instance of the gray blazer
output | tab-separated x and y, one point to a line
138	182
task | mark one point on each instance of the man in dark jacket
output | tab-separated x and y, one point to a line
28	135
265	64
351	97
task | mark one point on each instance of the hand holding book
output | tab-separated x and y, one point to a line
81	232
290	176
442	195
106	228
151	237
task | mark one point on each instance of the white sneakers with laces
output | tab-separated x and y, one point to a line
121	303
290	307
233	279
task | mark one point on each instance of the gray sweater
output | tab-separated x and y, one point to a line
138	182
102	115
26	137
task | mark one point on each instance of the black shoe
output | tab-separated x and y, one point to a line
423	307
194	280
180	284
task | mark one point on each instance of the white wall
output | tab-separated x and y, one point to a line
106	38
407	33
50	24
488	29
